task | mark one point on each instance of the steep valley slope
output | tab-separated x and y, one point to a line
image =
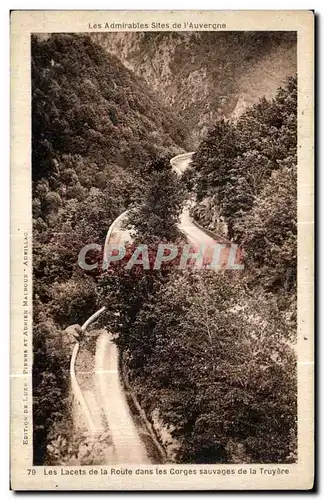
95	125
204	76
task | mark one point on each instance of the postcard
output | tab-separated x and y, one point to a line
162	287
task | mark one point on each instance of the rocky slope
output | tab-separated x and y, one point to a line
204	75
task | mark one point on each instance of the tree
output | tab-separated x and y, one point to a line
269	232
217	364
155	219
212	161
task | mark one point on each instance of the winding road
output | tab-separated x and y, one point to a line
129	448
109	398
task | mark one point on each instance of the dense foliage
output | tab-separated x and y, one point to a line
156	215
244	176
216	364
153	221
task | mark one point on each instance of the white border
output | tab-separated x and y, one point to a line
4	198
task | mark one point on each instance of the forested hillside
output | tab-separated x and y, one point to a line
206	75
244	176
95	127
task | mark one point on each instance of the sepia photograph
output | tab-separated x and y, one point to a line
162	318
147	139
